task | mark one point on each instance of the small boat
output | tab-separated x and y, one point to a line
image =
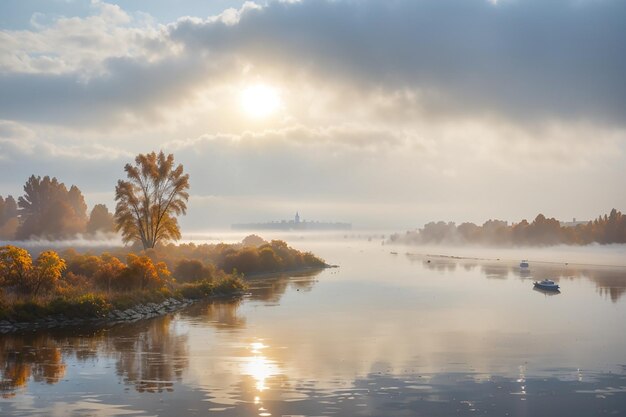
547	284
523	264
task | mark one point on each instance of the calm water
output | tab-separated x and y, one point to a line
383	335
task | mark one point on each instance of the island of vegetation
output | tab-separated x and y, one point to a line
541	231
151	275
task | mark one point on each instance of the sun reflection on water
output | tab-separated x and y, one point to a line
522	379
259	367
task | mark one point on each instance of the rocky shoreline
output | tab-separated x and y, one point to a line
138	312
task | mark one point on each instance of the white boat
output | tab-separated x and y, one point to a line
547	284
523	264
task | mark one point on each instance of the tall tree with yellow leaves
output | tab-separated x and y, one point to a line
148	203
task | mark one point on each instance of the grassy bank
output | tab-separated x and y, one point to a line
94	305
91	285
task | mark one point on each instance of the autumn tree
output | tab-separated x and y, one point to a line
143	273
76	200
8	209
86	265
100	220
49	210
148	203
544	231
110	272
47	271
189	270
16	265
9	221
253	240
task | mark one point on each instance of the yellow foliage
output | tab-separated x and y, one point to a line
47	271
156	192
15	265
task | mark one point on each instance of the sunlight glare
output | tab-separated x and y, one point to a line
260	101
259	367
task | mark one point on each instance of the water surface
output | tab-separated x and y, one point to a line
383	335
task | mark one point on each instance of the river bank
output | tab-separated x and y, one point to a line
111	316
117	316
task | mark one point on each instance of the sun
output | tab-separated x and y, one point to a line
260	101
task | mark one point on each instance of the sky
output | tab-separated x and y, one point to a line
383	113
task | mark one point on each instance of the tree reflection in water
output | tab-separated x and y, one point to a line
220	313
150	355
25	357
152	359
272	289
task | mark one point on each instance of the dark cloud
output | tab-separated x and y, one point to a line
526	59
129	90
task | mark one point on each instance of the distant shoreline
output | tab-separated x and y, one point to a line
554	255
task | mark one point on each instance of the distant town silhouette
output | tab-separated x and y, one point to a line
295	224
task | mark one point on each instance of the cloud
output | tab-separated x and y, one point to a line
525	60
104	69
25	151
14	139
68	44
131	92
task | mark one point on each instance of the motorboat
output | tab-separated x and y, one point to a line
547	284
524	264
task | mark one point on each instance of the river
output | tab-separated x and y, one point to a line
391	332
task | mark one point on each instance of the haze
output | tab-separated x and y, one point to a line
386	114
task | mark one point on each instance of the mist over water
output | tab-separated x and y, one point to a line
103	241
593	254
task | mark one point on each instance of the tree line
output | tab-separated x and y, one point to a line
49	210
541	231
147	206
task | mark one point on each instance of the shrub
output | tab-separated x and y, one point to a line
253	240
122	301
86	265
197	290
85	306
190	270
109	275
16	265
4	308
28	311
230	285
